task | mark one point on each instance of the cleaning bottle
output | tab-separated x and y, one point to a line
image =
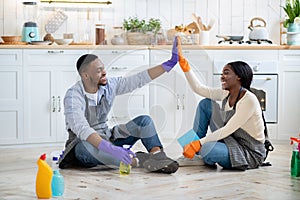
125	169
295	161
43	179
58	183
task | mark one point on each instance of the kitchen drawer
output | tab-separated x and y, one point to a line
10	57
198	59
249	55
124	60
290	57
53	57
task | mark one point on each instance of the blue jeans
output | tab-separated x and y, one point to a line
211	152
141	128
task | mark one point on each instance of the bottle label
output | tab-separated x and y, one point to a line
295	164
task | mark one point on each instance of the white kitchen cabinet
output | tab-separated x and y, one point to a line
126	63
47	76
172	102
289	94
11	97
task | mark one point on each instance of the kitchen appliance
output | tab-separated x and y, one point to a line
245	43
265	42
230	39
265	79
258	32
30	30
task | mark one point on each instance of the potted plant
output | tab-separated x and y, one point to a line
140	31
292	9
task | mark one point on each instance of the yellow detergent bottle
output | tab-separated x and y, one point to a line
43	179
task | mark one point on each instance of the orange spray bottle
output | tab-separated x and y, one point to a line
43	179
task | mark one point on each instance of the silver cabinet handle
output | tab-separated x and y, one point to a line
182	102
119	118
55	52
118	68
53	104
59	104
117	52
178	102
264	79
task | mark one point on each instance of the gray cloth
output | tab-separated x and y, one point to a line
245	152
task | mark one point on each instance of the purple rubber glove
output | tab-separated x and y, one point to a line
120	153
168	65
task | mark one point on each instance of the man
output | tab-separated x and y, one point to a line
91	142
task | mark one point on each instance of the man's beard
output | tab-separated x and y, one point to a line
101	84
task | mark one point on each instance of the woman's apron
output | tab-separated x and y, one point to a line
245	152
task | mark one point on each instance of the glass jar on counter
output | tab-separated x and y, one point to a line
118	36
161	37
100	34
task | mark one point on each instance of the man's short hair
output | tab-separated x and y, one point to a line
85	60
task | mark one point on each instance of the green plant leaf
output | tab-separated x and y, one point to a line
133	24
292	9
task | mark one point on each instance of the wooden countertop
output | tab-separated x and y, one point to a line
130	47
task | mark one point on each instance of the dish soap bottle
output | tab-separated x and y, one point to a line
125	169
295	161
43	179
58	183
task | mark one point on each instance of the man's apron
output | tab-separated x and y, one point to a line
96	117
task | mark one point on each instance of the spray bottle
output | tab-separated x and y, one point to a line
58	184
43	179
295	161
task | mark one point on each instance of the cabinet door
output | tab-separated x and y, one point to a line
165	105
11	109
172	102
47	75
65	77
201	63
39	105
126	63
129	60
289	93
129	106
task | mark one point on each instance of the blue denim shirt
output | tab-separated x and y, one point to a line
76	102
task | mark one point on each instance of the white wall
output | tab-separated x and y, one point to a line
232	16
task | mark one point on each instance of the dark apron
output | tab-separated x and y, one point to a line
245	152
96	117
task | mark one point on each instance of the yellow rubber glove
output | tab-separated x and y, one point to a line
191	149
182	61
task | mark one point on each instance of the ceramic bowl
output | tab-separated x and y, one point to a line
63	41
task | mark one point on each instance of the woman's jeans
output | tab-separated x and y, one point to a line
141	127
211	152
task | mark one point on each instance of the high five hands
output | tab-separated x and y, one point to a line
176	56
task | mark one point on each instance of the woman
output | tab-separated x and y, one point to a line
237	137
